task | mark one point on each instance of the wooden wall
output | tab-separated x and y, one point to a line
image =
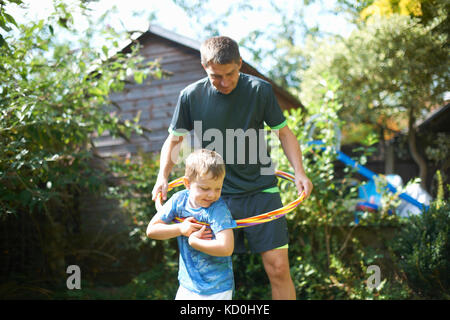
155	100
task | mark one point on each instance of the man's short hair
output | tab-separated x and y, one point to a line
219	50
203	161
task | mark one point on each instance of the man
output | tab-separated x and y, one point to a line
231	104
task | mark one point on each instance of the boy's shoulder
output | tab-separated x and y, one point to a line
219	213
179	197
219	205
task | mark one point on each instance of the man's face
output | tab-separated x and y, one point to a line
224	77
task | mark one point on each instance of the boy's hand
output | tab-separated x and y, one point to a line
204	233
187	227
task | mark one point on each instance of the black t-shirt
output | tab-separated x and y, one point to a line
233	125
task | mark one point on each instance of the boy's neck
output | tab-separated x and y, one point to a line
192	203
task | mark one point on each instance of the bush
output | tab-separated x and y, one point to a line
422	251
329	253
54	100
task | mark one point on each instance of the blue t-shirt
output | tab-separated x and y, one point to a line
198	271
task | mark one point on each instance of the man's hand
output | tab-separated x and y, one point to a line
161	185
303	183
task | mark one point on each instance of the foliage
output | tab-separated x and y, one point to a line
251	281
329	253
439	148
422	251
388	70
155	284
428	12
389	7
54	100
134	192
392	71
6	20
277	56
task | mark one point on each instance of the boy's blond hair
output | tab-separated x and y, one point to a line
204	161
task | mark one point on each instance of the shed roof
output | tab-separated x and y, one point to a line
194	45
437	120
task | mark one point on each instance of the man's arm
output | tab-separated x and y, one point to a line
293	152
222	246
168	158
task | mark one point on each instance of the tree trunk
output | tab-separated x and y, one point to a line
418	159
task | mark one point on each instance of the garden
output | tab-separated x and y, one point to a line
377	83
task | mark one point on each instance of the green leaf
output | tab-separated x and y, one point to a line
2	42
139	77
3	24
96	91
10	19
25	197
105	50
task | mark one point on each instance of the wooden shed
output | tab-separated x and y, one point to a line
156	101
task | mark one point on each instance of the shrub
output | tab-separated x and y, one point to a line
422	251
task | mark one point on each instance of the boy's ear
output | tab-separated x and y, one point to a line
186	183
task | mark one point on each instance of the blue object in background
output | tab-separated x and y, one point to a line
369	193
371	175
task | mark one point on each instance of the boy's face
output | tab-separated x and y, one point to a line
205	190
224	77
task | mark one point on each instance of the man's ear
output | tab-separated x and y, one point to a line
240	63
186	183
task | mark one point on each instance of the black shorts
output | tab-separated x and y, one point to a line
262	237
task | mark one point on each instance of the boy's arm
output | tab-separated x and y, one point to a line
222	246
293	152
159	230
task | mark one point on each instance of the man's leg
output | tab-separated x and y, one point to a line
276	264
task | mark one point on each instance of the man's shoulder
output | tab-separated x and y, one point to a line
196	86
255	81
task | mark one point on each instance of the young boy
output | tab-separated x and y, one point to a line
205	269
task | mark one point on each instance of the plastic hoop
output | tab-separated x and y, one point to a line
251	221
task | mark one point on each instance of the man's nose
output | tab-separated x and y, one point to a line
225	83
